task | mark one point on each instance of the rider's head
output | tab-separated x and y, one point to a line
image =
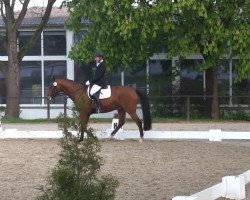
99	56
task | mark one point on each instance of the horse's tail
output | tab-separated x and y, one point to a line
147	122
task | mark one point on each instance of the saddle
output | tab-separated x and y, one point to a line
103	93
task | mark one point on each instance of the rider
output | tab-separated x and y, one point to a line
99	80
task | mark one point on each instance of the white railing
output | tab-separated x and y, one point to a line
211	135
231	187
1	128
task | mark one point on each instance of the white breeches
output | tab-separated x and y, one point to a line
94	89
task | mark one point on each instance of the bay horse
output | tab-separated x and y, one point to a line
124	99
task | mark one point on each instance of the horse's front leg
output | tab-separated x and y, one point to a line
82	133
83	125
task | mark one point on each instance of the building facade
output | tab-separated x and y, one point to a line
49	57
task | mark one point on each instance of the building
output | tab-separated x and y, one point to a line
49	57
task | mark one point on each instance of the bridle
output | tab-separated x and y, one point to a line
62	93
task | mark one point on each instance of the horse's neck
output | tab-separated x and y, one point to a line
74	91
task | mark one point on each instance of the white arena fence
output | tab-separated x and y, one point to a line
211	135
231	187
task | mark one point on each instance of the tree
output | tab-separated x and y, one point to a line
131	32
76	176
241	40
12	69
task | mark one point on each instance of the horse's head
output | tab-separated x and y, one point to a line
54	89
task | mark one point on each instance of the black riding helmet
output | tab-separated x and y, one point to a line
99	54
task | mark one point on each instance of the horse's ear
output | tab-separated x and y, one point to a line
53	79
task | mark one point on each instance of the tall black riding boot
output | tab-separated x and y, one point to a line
97	102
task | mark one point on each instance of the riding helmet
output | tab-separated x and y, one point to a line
99	54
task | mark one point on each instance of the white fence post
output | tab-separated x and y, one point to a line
235	187
115	122
231	187
1	128
214	135
184	198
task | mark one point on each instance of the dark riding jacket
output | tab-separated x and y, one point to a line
99	75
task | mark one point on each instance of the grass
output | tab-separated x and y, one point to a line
18	120
109	120
35	121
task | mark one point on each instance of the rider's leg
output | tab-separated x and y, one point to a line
95	97
94	89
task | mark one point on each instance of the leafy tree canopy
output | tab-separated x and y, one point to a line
130	32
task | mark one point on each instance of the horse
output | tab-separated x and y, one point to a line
124	99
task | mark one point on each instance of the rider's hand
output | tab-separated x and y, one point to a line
87	83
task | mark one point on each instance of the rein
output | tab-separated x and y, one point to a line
62	93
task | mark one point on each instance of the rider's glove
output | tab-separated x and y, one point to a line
87	83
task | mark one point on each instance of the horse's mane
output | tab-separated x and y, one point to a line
71	81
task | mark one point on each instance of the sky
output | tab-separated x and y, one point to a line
33	3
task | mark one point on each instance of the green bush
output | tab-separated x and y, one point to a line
76	176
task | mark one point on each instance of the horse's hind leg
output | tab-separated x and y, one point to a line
121	117
138	122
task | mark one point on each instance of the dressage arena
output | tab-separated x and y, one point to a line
155	169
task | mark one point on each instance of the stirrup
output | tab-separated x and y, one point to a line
97	107
97	110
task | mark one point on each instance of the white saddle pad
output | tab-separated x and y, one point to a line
105	93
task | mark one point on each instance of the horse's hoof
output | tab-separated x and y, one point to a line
140	140
111	137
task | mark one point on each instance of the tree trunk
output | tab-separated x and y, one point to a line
13	79
12	24
212	103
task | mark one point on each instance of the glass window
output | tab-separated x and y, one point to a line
3	86
83	72
79	36
241	88
114	78
160	77
3	51
191	77
57	69
23	39
223	78
30	82
136	77
54	43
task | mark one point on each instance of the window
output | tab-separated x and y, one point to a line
38	67
191	77
160	77
57	69
31	82
114	78
223	78
79	36
136	77
241	88
23	39
2	48
2	88
54	43
83	72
